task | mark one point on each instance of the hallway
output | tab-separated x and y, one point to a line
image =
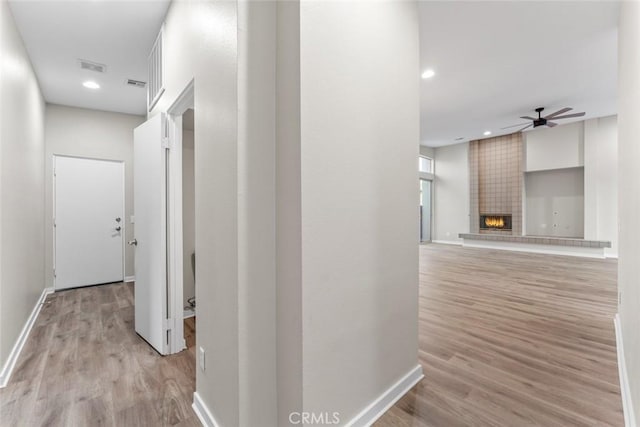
83	365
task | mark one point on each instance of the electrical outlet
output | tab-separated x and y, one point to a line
201	358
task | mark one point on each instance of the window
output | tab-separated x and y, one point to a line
155	87
425	164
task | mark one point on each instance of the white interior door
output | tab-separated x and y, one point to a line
88	221
149	188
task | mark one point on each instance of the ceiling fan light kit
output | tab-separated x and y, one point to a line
546	120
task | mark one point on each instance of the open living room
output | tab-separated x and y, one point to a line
519	218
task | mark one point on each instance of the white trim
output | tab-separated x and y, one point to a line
184	101
128	279
204	414
7	369
387	399
625	390
448	242
614	256
189	313
577	251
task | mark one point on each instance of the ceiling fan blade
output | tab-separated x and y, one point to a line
513	126
568	116
527	126
557	113
528	118
551	124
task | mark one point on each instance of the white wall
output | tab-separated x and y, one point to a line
629	192
228	49
601	181
188	216
593	144
555	203
359	190
95	134
289	209
21	185
235	180
257	211
451	192
555	148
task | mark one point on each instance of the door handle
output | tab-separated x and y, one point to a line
118	228
133	242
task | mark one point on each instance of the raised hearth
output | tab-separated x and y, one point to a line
537	244
540	240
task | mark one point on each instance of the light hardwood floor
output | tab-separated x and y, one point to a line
506	339
83	365
513	339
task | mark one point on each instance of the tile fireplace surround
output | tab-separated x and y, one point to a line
496	182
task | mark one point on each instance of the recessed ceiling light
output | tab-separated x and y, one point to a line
428	74
487	133
91	85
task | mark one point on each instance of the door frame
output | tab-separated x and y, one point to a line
175	266
53	209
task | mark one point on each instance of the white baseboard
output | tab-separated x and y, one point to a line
128	279
448	242
204	415
614	256
188	313
625	390
387	399
7	369
365	418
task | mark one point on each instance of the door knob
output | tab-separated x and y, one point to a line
133	242
118	228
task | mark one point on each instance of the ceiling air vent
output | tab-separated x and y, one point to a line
92	66
136	83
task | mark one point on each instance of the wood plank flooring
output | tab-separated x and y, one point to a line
513	339
506	339
83	365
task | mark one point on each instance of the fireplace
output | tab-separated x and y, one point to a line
495	221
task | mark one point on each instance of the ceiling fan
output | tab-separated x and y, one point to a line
546	120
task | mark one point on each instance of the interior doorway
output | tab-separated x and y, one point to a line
425	210
181	226
163	259
188	230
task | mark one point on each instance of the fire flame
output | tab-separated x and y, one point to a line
494	221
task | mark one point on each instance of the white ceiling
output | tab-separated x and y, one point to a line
116	33
494	61
497	61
